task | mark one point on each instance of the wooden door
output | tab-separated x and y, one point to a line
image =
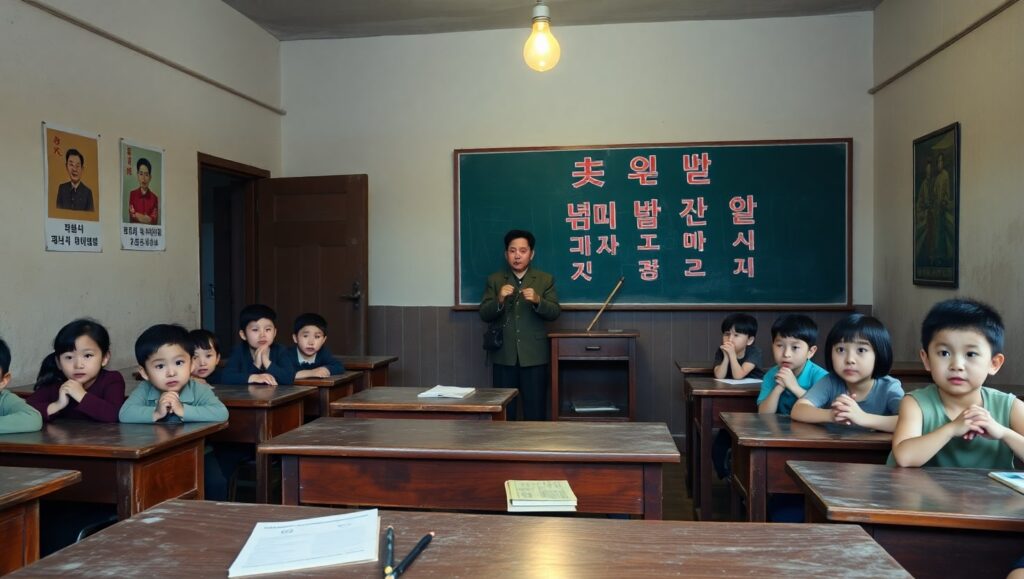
311	254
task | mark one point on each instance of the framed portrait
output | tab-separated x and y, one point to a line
937	208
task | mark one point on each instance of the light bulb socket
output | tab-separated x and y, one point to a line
540	10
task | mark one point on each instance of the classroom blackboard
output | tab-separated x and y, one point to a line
687	225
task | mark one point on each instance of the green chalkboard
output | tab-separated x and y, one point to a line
682	238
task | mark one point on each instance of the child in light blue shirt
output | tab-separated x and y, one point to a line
793	344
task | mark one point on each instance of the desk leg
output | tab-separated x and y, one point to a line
757	487
262	478
652	491
690	442
703	461
289	480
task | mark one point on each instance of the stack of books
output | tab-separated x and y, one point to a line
538	496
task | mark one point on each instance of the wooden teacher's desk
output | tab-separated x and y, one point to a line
257	413
461	464
171	536
133	466
762	443
374	368
399	402
20	490
706	399
330	389
937	522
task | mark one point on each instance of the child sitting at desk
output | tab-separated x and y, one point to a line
957	421
793	344
737	357
15	414
310	356
72	382
857	390
205	357
168	393
257	359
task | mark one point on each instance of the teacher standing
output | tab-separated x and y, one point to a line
521	299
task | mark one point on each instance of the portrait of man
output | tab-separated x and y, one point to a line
74	194
143	203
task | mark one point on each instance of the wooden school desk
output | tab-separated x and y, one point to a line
461	464
399	402
202	539
762	443
20	490
937	522
258	412
374	368
330	389
706	399
133	466
903	371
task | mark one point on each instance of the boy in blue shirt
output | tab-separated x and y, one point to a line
310	356
257	359
793	344
168	392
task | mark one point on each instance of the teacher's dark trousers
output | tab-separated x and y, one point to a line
532	382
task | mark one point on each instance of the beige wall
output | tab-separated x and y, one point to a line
396	107
979	82
55	72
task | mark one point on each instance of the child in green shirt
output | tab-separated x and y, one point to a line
15	414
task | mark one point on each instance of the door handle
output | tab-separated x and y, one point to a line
355	297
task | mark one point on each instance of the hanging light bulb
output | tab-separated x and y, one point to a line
541	51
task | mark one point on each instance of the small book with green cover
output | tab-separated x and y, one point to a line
536	495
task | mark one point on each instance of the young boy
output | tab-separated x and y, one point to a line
205	357
257	359
793	344
738	357
168	393
311	358
15	414
957	421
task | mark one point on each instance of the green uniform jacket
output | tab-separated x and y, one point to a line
198	400
16	415
526	339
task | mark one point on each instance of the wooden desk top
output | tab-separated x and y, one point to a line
366	362
400	398
772	430
471	440
96	439
583	333
259	395
700	367
18	484
330	381
495	546
960	498
703	386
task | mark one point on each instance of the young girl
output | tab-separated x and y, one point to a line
857	389
72	382
205	356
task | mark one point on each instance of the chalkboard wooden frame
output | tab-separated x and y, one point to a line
471	302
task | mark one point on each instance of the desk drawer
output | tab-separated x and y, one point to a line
593	347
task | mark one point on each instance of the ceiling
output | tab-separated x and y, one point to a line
306	19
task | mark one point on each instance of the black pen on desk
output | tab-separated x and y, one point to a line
389	550
412	556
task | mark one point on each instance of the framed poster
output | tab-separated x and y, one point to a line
71	189
142	204
937	208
